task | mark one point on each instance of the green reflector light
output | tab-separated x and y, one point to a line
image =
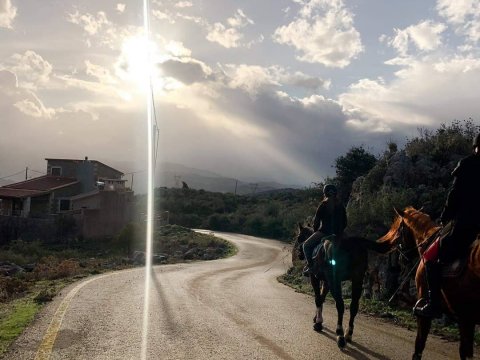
333	262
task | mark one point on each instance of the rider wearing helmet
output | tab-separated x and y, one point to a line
330	219
462	209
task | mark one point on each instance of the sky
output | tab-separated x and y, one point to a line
271	89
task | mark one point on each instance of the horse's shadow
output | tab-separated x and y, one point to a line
354	349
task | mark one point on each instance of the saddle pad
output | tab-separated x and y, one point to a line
317	250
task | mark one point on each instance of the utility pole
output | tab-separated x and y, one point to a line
26	173
131	185
236	183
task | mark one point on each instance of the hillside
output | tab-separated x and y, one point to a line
172	175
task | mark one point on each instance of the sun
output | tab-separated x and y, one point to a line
137	62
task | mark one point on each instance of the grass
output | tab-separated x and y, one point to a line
14	318
22	296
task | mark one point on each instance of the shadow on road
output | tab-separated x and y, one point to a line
355	350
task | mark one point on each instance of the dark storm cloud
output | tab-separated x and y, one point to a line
187	71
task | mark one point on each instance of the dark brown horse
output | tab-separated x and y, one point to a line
411	230
351	261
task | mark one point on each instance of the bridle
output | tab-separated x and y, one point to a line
400	244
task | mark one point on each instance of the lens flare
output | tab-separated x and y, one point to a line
150	149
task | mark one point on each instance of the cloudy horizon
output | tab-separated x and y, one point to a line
274	90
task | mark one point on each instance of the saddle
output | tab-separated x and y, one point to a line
452	268
323	254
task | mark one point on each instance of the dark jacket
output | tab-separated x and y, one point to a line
463	201
330	218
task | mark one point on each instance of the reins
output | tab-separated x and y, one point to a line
424	243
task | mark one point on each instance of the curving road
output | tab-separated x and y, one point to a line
224	309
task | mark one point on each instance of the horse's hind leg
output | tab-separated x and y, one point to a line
467	333
356	294
423	328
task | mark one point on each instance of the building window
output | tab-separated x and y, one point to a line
64	204
56	171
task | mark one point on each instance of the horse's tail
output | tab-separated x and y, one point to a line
377	246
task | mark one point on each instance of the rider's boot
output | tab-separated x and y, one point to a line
307	270
432	307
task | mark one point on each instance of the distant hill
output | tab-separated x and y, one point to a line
172	175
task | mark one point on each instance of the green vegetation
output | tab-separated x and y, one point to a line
14	319
418	175
37	272
271	215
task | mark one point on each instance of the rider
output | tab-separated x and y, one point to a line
463	210
330	219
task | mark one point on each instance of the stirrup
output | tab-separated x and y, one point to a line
306	271
427	310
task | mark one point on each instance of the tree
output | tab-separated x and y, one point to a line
128	237
356	162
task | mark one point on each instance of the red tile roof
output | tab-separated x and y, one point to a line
36	186
19	193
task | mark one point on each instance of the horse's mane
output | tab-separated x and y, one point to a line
389	237
420	224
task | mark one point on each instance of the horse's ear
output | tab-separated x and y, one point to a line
399	212
421	209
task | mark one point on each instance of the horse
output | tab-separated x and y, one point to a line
351	262
412	231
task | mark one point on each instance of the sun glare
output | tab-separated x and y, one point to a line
137	62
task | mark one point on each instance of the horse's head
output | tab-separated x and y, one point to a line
302	234
410	229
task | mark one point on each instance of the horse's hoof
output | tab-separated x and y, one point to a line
341	342
348	335
318	326
315	319
417	357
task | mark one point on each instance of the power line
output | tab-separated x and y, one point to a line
17	173
40	172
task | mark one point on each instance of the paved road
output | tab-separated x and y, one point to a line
224	309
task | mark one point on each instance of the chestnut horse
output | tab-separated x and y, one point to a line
351	261
412	230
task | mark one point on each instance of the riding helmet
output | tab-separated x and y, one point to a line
329	190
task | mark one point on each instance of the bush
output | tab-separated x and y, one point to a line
11	287
50	268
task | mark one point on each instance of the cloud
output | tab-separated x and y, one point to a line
254	79
425	93
7	14
31	69
92	24
463	15
34	109
183	4
229	37
186	70
426	36
322	33
121	7
100	31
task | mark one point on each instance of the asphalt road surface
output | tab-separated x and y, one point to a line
224	309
